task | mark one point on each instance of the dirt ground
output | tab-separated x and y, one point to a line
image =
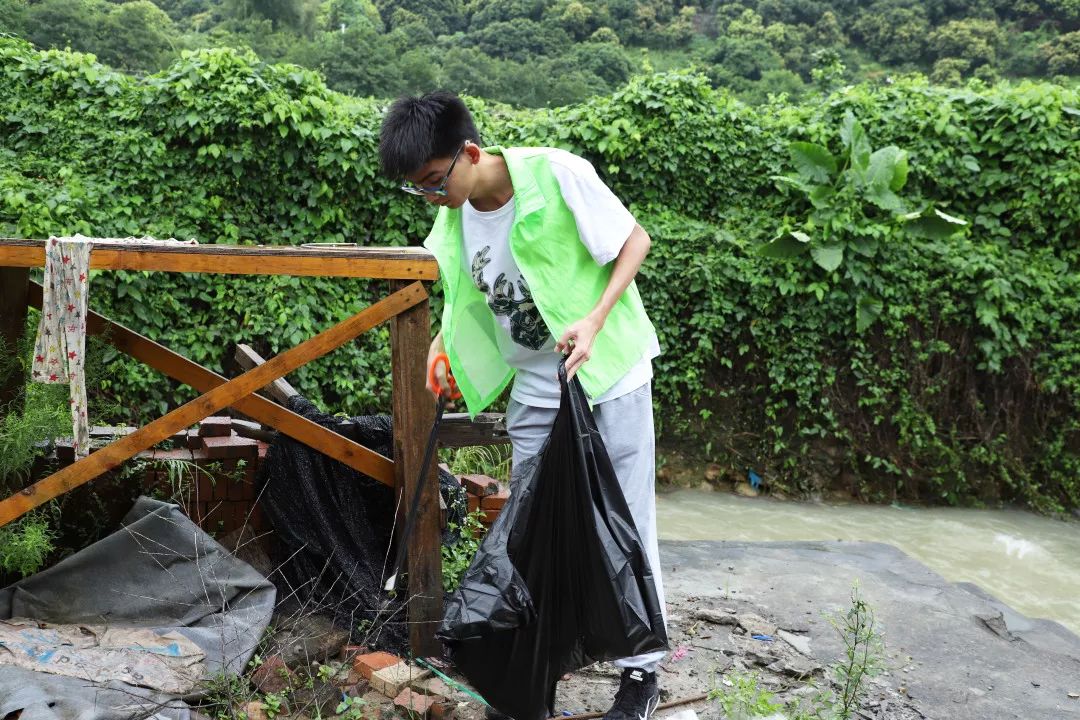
712	637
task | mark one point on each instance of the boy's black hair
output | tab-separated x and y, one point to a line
417	129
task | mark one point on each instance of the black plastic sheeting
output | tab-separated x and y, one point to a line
333	526
561	581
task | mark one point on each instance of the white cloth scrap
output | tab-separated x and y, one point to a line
60	349
59	353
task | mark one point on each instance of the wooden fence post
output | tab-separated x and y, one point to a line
414	413
13	287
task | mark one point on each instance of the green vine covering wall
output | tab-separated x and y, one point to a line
934	366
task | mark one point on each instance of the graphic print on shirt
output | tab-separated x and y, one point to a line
527	328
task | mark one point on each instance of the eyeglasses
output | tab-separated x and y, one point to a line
440	189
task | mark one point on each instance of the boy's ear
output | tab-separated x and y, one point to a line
473	151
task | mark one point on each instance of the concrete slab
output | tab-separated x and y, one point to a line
968	656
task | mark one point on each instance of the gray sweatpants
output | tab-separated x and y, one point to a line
626	426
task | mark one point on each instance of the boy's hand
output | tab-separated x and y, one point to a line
442	384
577	342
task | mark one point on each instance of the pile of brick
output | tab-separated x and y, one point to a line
411	688
223	496
381	680
486	495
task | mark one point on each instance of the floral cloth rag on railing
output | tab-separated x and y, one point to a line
59	352
61	340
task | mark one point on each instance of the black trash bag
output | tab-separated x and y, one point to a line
333	526
561	580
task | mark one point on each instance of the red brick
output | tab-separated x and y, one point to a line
431	686
496	501
230	447
240	514
414	702
473	502
217	426
204	488
441	710
480	485
221	489
369	663
272	676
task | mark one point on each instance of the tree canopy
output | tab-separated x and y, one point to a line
555	52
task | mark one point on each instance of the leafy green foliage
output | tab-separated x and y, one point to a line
863	658
854	207
963	389
741	697
40	414
457	556
25	544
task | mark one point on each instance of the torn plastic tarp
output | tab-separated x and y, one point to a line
159	576
561	580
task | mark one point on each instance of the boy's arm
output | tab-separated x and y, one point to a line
578	338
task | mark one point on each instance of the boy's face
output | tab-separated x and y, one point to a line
446	181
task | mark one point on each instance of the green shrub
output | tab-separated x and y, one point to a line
963	389
25	544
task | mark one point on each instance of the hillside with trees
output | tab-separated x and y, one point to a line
537	53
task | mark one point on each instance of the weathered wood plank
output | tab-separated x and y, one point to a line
414	414
202	379
366	262
280	390
457	430
216	399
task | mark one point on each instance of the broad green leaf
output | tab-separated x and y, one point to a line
813	162
865	246
820	196
888	168
847	129
788	245
794	182
867	311
932	224
828	257
885	199
856	142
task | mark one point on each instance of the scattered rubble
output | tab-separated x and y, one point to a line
707	641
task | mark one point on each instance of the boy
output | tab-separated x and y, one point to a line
538	257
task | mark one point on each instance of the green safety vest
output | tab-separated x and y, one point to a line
565	281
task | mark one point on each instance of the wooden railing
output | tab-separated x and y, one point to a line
406	309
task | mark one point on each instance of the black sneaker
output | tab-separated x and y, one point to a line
637	698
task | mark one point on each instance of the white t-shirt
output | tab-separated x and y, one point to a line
527	345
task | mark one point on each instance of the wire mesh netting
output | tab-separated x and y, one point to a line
333	527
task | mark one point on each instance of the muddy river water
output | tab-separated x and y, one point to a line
1030	562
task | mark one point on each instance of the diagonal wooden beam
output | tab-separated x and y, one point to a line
202	379
216	399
